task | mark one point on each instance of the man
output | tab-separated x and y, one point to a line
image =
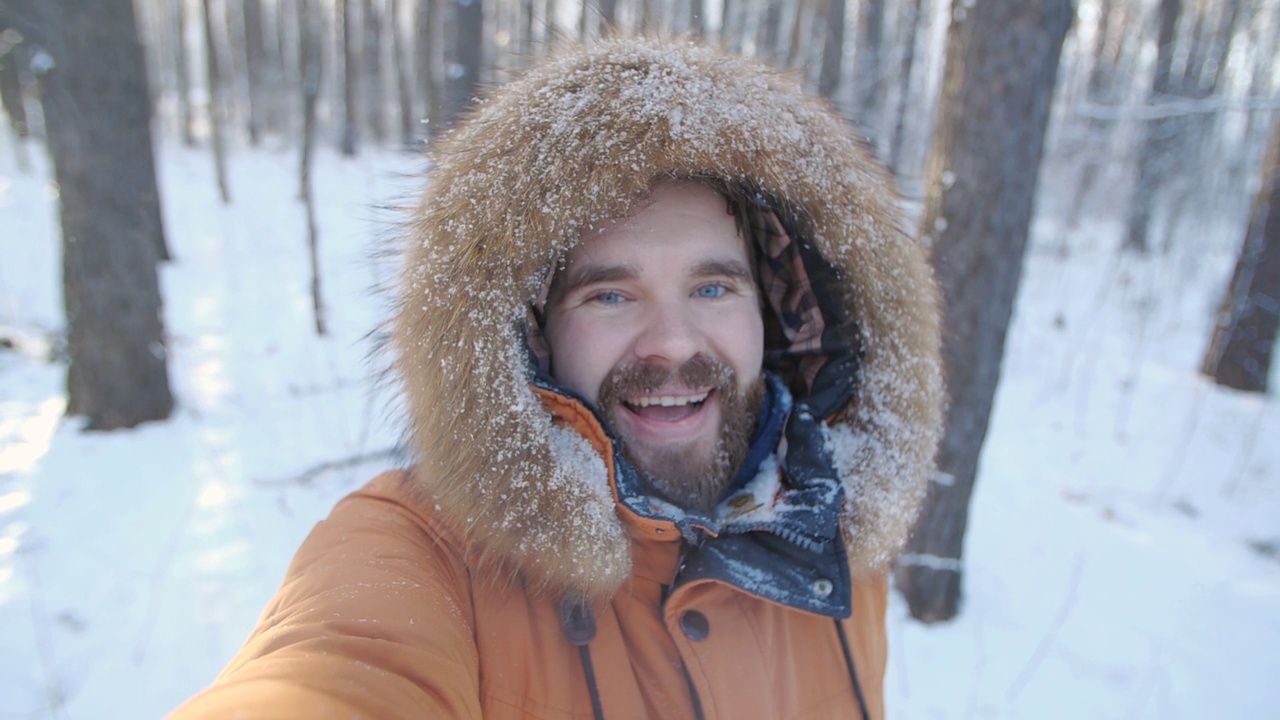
671	370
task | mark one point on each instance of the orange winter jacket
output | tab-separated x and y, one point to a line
384	614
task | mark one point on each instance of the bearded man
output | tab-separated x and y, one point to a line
672	378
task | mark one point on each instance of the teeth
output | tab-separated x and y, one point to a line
667	400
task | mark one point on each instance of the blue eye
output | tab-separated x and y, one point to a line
711	291
608	297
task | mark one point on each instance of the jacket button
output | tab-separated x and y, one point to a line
822	588
695	625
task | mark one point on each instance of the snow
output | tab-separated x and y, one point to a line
1123	556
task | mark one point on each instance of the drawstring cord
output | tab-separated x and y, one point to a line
853	674
579	625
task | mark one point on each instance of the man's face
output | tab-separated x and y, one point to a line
656	320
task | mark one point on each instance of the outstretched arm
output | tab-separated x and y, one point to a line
373	619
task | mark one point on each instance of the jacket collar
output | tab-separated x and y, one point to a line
776	532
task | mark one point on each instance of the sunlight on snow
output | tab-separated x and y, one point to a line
14	500
222	558
214	493
8	548
209	376
30	437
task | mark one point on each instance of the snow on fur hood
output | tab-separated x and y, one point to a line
578	139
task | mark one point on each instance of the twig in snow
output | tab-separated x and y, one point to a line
1046	642
315	471
1181	448
1246	452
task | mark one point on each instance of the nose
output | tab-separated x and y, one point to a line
668	334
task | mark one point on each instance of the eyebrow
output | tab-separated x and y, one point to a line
592	274
725	268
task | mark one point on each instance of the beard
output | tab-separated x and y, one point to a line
690	475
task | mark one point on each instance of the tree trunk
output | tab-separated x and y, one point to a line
1244	336
1159	143
832	50
917	22
187	118
310	37
96	112
350	76
767	42
215	104
463	78
404	92
697	23
430	58
608	16
255	65
374	101
1002	60
868	63
12	53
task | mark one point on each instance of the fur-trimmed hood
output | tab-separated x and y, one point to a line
578	139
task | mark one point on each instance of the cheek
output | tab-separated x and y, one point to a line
581	354
742	342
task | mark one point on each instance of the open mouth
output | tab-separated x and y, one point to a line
666	408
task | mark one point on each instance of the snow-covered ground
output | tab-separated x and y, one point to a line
1123	557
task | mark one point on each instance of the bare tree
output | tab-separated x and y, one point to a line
404	92
187	118
869	65
1244	336
1184	70
97	116
350	78
255	64
12	55
371	46
608	15
832	49
1002	60
215	103
466	58
430	56
311	32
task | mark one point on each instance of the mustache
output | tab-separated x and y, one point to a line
641	377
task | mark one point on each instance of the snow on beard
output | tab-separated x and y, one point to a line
691	476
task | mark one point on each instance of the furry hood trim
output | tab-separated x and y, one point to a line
581	138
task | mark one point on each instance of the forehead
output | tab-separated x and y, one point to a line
678	218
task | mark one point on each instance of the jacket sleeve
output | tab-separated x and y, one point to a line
373	620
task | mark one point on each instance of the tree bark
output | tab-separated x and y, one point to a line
868	62
186	117
215	104
371	45
1002	60
697	23
608	16
463	78
255	65
350	76
832	50
430	58
1244	336
310	37
404	92
1158	144
13	52
96	113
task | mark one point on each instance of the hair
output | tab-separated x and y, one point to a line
748	208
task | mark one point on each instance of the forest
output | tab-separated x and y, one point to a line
1142	131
